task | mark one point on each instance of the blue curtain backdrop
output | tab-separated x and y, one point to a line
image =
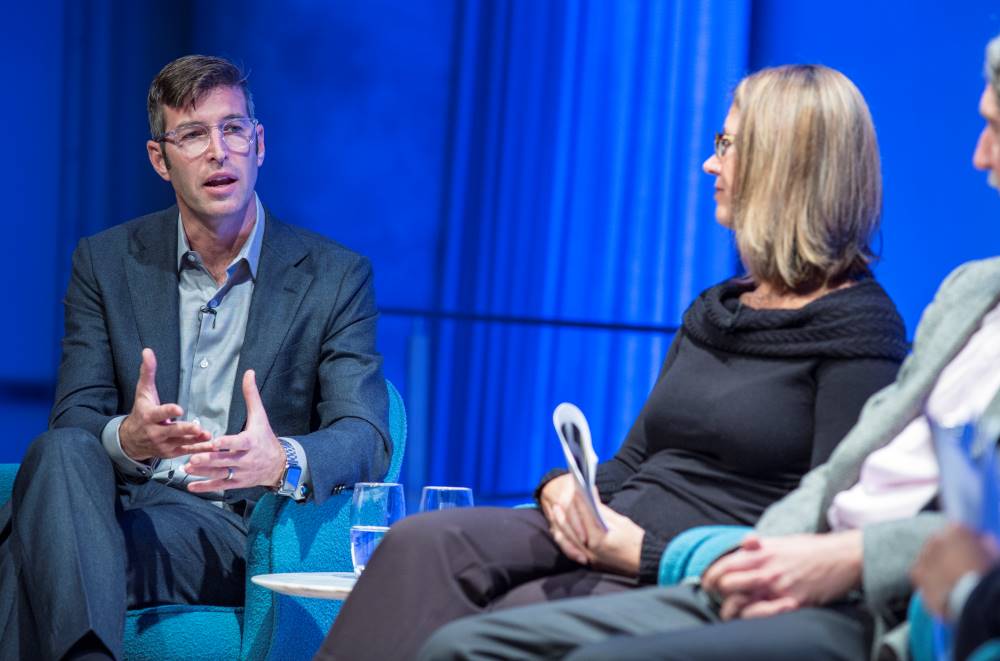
524	174
578	224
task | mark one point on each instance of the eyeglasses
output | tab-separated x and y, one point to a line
193	139
723	141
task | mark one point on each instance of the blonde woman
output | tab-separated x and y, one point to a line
767	374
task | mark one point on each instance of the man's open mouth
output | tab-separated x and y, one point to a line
221	180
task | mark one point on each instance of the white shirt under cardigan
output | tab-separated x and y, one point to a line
899	479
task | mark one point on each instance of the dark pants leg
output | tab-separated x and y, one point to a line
79	547
652	623
434	568
841	633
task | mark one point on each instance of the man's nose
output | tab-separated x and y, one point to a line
217	147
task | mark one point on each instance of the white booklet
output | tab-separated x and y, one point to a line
574	434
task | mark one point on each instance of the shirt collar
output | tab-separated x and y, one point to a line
250	250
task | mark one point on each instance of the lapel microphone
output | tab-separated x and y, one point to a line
207	309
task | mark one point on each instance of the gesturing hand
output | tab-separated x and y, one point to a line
771	575
254	456
149	429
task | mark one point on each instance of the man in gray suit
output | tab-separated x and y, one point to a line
824	575
211	353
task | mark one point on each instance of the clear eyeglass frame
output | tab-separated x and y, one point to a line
723	141
193	140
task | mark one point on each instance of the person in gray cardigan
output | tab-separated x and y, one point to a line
958	570
796	587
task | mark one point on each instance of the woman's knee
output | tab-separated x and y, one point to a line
429	528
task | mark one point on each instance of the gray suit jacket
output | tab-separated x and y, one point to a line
310	337
890	548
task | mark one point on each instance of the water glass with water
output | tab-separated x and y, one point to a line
444	498
375	507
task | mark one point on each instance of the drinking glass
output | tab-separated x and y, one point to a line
444	498
375	507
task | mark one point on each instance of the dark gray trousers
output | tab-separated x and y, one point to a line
434	568
78	546
677	623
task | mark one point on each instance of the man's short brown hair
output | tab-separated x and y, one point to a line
187	79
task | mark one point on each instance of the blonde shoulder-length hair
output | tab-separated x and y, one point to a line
807	193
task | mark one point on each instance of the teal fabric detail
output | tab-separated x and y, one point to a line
7	474
692	551
988	651
284	537
291	537
199	633
921	630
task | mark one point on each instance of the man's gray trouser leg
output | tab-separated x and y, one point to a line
552	630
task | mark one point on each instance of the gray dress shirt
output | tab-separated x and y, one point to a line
213	322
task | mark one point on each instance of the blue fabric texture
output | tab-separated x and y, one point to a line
921	631
988	651
195	632
284	537
691	552
7	474
574	194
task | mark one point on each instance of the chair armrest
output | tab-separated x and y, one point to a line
290	537
285	536
7	474
691	552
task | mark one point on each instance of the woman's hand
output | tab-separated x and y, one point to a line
581	537
617	549
564	507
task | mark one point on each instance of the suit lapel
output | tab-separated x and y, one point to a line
278	292
151	271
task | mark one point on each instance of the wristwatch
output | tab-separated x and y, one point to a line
290	484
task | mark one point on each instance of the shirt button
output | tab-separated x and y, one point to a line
191	257
204	363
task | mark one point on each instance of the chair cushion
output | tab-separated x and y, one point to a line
183	632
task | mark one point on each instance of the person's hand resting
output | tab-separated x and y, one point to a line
619	548
581	537
149	430
564	508
772	575
946	557
251	458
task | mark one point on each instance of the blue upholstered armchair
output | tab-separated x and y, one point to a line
284	537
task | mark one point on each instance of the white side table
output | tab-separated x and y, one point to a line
336	585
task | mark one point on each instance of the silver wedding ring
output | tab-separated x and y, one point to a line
231	471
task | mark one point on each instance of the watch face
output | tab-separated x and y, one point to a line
292	477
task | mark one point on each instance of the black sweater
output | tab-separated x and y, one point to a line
746	403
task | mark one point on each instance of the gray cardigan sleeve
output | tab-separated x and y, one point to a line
889	548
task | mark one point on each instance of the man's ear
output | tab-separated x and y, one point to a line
260	145
158	159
